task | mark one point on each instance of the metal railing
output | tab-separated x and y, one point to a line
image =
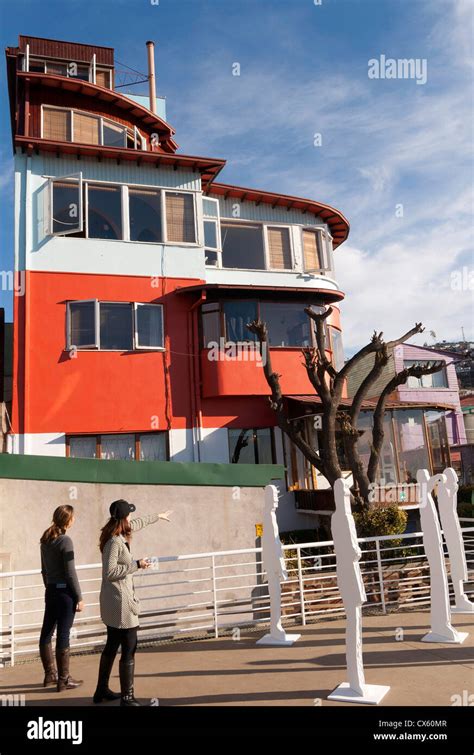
212	593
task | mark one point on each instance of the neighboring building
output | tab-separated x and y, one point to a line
136	263
462	352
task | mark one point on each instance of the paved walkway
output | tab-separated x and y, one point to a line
231	672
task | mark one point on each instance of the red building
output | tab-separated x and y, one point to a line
138	271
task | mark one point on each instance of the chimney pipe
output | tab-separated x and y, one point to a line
151	75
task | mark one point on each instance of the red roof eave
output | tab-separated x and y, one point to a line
336	221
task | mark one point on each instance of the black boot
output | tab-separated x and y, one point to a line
103	692
47	659
65	681
126	671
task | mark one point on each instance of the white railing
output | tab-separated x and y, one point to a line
209	593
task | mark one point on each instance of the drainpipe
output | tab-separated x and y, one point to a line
151	75
194	379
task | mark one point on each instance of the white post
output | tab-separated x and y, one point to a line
214	592
12	623
301	586
380	571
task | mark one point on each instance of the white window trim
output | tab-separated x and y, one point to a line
86	347
92	69
323	236
196	241
136	345
72	176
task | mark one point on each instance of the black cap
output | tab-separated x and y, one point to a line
120	509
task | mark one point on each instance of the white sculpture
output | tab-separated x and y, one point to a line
441	627
352	590
447	507
274	565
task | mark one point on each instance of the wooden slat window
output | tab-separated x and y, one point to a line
102	78
86	129
312	250
57	125
279	250
180	218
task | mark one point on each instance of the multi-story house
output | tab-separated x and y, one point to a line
140	272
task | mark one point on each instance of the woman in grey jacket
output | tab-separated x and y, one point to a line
119	606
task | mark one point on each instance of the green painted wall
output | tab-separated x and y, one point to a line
27	467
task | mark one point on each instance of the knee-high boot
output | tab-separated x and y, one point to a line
103	692
126	673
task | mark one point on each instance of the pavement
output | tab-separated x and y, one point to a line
228	671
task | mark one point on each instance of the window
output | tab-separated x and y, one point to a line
61	124
104	213
435	380
212	239
242	246
287	323
66	205
86	128
148	326
119	446
313	251
279	249
251	446
113	135
114	326
211	324
102	78
413	451
145	215
180	218
57	125
82	324
336	348
237	315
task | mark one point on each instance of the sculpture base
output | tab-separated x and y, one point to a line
288	639
467	608
433	637
373	694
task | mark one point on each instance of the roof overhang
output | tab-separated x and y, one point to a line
338	224
207	167
323	294
370	404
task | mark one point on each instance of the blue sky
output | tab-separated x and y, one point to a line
304	71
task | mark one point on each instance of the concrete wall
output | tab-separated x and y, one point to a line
204	518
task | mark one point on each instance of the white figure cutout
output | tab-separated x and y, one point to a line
352	590
447	507
441	627
275	567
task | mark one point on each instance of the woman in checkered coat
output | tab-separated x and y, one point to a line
119	606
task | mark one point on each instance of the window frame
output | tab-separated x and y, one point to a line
65	179
136	345
86	347
254	431
127	129
322	246
164	222
98	441
266	227
124	221
217	222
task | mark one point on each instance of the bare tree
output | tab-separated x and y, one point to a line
328	384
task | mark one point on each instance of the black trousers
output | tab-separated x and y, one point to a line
60	609
124	638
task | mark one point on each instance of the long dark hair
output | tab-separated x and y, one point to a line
114	527
61	519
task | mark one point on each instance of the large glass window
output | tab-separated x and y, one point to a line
113	135
242	246
145	215
251	446
116	326
237	315
66	206
438	440
435	380
211	324
388	464
68	125
287	323
104	216
153	447
413	452
118	447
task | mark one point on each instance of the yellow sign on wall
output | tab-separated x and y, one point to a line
258	530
